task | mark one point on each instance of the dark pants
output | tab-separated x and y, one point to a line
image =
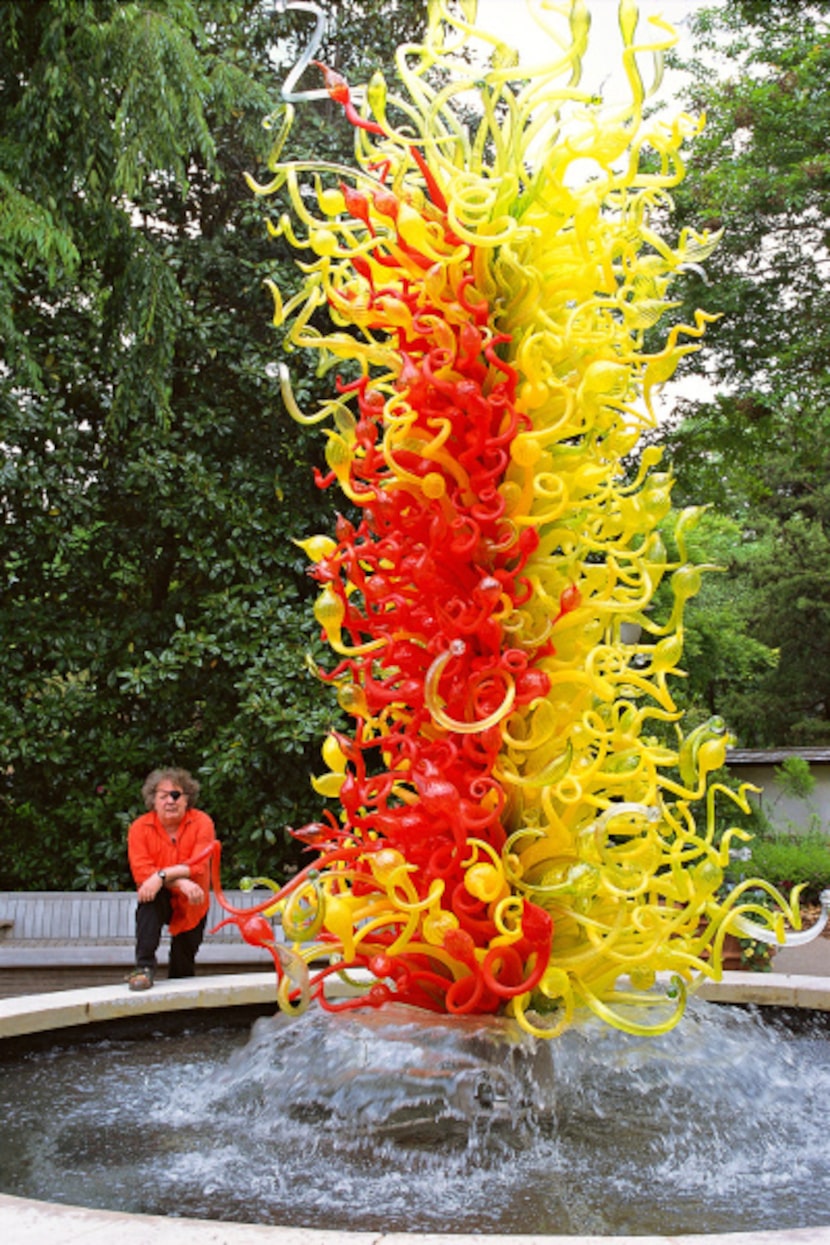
149	919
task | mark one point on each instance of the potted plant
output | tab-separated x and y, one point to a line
745	952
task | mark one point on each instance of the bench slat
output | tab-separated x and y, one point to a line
47	927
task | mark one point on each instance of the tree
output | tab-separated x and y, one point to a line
722	660
155	609
759	448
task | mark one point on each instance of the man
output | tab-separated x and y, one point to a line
170	892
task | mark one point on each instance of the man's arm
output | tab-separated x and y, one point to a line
143	864
194	883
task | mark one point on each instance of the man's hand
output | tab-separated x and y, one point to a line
149	888
192	891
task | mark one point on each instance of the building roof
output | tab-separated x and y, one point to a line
775	756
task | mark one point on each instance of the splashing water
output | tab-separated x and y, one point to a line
390	1121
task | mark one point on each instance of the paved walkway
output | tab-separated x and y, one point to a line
810	961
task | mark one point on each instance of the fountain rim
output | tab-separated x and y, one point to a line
30	1222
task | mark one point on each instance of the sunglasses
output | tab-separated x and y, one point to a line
171	795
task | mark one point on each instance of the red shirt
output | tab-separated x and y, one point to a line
149	848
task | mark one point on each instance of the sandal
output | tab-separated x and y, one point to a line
140	979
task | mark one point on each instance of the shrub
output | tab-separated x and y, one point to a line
785	860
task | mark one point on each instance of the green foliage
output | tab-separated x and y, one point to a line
786	861
724	662
154	608
759	448
757	956
795	778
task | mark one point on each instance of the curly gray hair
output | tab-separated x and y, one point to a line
179	778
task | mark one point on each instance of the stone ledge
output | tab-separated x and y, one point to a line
27	1222
36	1013
768	990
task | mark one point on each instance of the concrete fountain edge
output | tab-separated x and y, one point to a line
28	1222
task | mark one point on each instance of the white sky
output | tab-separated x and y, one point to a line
511	20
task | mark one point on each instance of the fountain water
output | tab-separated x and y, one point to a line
331	1122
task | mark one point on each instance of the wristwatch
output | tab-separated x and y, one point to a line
162	874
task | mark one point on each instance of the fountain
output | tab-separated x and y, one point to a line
524	836
571	1206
